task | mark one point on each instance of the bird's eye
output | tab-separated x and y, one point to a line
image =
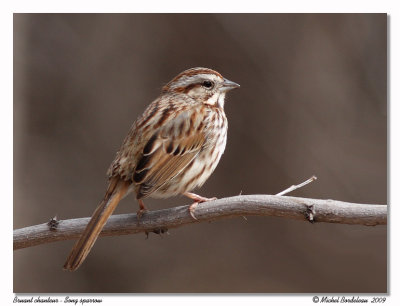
208	84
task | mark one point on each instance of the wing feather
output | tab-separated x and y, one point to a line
168	152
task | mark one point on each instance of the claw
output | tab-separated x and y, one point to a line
192	209
142	209
141	212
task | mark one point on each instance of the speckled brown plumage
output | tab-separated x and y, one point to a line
171	149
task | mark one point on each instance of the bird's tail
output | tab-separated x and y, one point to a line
115	192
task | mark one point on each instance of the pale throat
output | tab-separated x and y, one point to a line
217	98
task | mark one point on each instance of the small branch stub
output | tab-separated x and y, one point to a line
294	187
53	223
310	213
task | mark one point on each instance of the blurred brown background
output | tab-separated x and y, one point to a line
312	101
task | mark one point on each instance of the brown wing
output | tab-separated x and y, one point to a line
172	147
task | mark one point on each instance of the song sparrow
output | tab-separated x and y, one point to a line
171	149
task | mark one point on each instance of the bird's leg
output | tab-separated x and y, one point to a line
142	209
197	199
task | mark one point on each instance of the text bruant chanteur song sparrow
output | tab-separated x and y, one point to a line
172	148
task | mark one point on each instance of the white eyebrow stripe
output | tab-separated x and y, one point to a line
187	80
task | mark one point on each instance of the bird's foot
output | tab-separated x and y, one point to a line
143	209
197	200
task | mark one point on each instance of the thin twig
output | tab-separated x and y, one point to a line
294	187
312	210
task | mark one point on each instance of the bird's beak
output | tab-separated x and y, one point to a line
228	85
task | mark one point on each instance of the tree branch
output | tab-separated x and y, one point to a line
312	210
